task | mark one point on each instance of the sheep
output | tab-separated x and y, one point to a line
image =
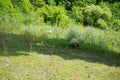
74	43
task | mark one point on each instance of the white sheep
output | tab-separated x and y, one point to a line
74	43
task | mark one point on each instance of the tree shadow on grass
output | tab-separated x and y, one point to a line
60	48
95	54
70	54
13	45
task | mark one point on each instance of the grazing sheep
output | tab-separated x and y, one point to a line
74	43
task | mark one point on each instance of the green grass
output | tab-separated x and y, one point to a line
90	39
51	62
42	66
34	54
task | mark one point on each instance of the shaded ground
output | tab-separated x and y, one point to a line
16	44
50	62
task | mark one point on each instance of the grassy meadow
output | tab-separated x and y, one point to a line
34	54
55	64
35	39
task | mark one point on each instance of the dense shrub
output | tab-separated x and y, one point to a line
70	3
96	15
62	13
116	25
115	8
37	3
101	24
55	15
77	15
23	5
20	10
6	4
106	14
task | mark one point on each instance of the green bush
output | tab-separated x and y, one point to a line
77	15
62	13
70	3
89	15
114	7
24	5
96	15
116	25
55	15
6	4
20	10
37	3
101	24
50	2
106	14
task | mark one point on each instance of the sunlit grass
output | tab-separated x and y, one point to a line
47	62
44	65
51	58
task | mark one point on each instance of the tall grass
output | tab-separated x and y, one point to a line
97	40
89	38
8	24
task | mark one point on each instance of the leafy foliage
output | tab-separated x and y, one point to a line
95	14
77	15
116	25
62	13
101	23
54	15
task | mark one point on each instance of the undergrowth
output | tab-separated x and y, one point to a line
89	38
